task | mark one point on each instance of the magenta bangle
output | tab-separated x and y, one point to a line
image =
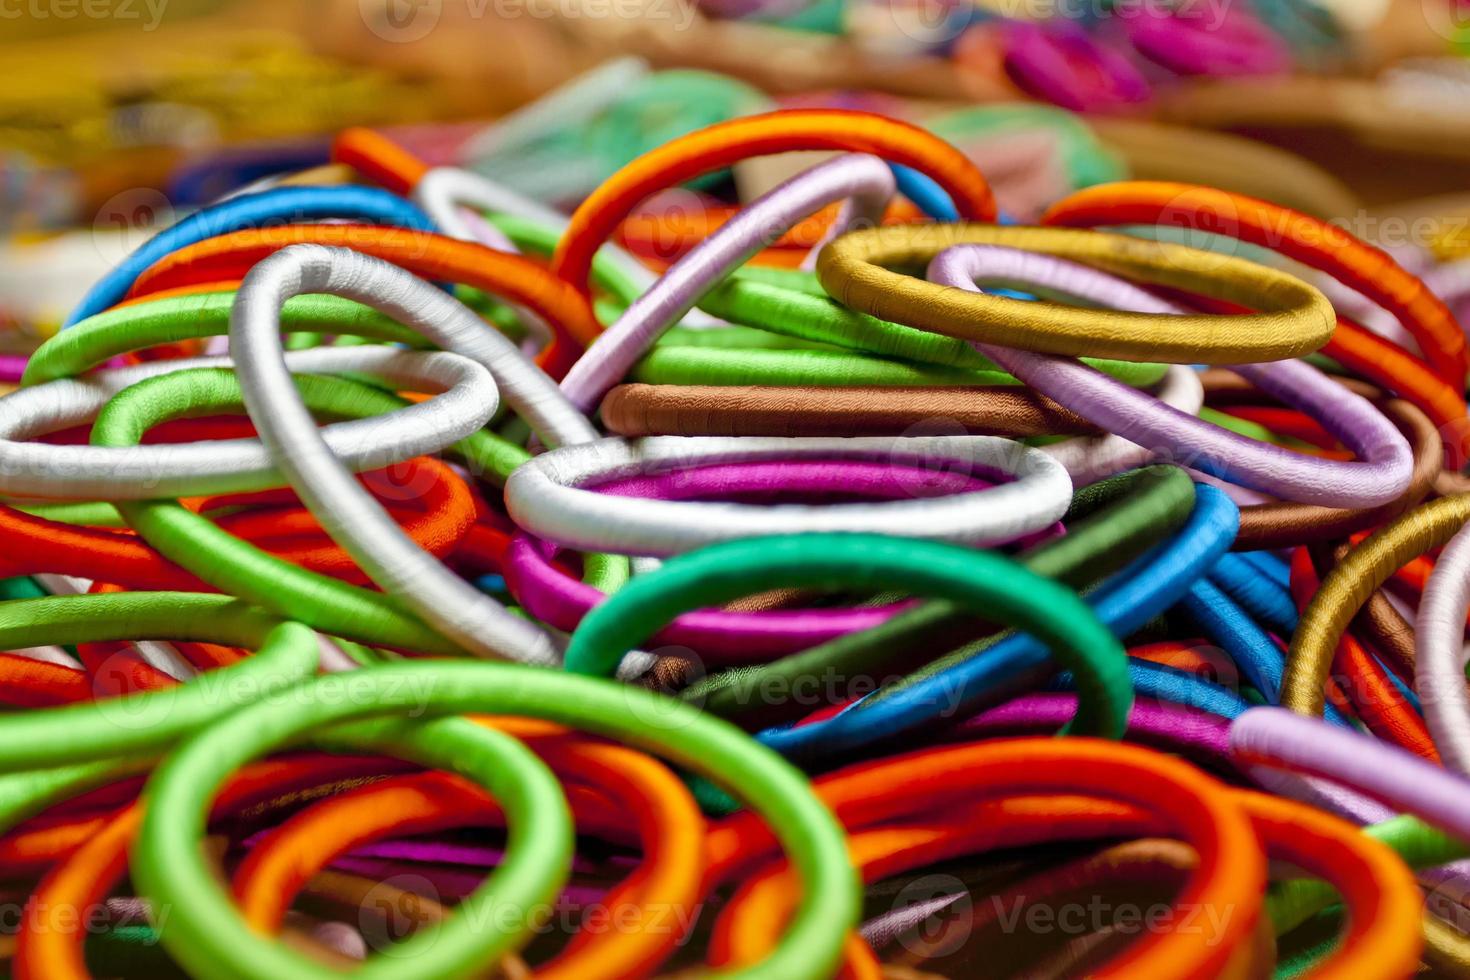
1060	63
1384	464
723	636
1239	45
12	366
1201	737
1286	740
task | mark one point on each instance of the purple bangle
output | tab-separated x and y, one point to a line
1201	737
1238	45
1384	462
723	636
1060	63
1286	740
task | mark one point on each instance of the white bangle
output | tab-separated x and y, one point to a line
345	510
546	495
34	469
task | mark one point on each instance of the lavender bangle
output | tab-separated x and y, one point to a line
1439	649
1385	462
864	180
725	636
548	495
1283	739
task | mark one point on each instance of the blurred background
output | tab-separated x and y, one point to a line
117	116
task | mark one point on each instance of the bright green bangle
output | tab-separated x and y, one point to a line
792	302
235	566
145	723
214	944
681	365
982	582
208	937
1108	524
195	543
538	239
164	321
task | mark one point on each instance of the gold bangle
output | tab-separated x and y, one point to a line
1294	318
1360	573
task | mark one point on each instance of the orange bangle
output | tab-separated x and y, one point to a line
1309	240
726	143
379	159
516	278
1382	896
1232	869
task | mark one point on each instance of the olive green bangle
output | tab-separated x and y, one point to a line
1294	318
1347	587
981	582
1108	524
205	931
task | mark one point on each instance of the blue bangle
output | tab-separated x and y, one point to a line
1268	565
1260	595
279	205
1145	588
1164	683
1260	660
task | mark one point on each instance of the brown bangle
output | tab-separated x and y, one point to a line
1284	524
710	410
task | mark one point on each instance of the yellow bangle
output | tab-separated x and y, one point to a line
1294	318
1350	584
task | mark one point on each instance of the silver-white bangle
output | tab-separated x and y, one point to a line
37	469
546	495
345	510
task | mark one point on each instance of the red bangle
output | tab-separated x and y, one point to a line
1314	242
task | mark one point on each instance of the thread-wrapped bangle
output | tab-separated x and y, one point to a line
722	144
1295	318
1382	474
547	496
863	180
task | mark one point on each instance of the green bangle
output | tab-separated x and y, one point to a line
684	365
208	937
982	582
538	239
235	566
792	302
25	794
215	945
145	723
164	321
1108	524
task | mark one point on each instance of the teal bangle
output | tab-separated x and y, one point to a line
145	723
792	302
982	582
205	931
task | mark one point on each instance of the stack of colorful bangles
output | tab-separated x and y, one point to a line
401	578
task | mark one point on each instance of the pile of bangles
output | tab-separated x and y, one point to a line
400	577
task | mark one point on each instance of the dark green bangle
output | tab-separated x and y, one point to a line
1108	524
